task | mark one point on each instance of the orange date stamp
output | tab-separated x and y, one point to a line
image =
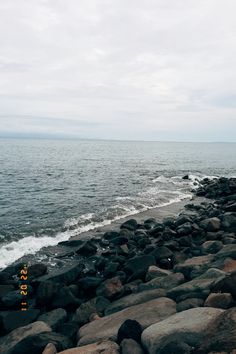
24	287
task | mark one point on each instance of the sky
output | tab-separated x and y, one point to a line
121	69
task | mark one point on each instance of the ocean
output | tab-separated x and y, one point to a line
51	190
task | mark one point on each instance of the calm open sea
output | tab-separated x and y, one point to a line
53	189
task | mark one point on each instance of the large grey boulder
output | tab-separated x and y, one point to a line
11	340
168	282
199	264
107	327
187	326
54	318
66	275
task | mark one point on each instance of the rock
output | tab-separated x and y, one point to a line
50	349
71	243
182	219
69	329
146	314
185	177
106	347
189	304
87	249
227	251
200	263
109	235
14	319
168	282
12	299
198	287
211	224
9	342
130	346
110	288
219	300
184	229
131	225
187	326
137	267
134	299
54	318
226	284
89	283
129	329
37	270
46	292
118	241
36	343
66	275
161	253
220	335
94	306
5	289
5	278
229	221
65	299
154	272
111	269
212	246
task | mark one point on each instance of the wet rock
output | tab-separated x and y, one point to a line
14	319
130	346
211	224
167	282
130	225
71	243
94	306
146	314
219	300
87	249
129	329
109	235
137	267
220	335
50	349
10	342
212	246
188	327
200	263
110	288
189	304
54	318
134	299
154	272
66	275
105	346
37	270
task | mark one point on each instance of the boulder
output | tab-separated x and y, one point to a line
134	299
137	267
229	221
154	272
5	289
212	246
87	249
12	299
9	342
131	225
37	270
96	305
14	319
50	349
211	224
129	329
65	299
168	282
130	346
189	304
227	251
105	346
187	326
89	283
146	314
226	284
66	275
110	288
184	229
46	292
219	300
54	318
200	263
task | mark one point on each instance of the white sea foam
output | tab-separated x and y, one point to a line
12	251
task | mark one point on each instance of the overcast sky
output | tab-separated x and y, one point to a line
119	69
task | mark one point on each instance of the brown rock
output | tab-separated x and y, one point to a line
110	288
130	346
106	347
50	349
219	300
154	272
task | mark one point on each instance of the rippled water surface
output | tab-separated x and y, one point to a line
52	189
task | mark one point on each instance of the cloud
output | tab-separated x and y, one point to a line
129	69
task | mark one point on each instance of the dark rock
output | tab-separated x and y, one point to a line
130	225
65	299
143	242
46	292
110	235
228	251
69	329
157	229
161	253
200	264
54	318
110	288
189	304
14	319
37	270
184	229
111	269
5	278
185	177
89	283
168	282
63	276
129	329
100	263
226	284
87	249
229	221
212	224
121	240
137	267
212	246
71	243
5	289
219	300
183	219
12	299
87	309
176	347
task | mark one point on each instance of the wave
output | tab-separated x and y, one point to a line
11	252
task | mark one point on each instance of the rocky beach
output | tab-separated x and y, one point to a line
151	284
